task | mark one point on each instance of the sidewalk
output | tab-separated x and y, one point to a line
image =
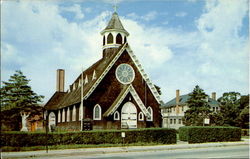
89	151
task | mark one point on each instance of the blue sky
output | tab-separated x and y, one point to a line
180	43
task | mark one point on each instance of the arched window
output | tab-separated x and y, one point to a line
118	39
97	112
52	120
125	39
150	110
74	113
68	115
103	40
59	116
63	115
110	39
116	115
141	116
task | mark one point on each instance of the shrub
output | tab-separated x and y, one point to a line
183	133
200	134
245	132
20	139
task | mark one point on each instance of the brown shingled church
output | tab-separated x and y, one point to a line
113	93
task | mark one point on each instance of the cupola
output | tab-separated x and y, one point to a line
114	35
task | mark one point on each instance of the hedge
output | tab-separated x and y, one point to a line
23	139
201	134
245	132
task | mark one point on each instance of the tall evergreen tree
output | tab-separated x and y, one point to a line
198	108
230	108
17	96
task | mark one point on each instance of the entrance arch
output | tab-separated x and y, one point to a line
52	120
129	116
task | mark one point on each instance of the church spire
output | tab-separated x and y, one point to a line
114	35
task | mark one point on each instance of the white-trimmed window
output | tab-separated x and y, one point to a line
141	116
63	115
68	115
74	113
59	116
97	112
150	110
116	115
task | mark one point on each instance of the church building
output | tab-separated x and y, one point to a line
113	93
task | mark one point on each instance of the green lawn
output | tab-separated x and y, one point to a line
75	146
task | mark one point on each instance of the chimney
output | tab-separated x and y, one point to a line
214	96
60	80
177	96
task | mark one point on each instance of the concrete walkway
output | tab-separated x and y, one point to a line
89	151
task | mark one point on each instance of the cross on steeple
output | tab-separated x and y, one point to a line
115	6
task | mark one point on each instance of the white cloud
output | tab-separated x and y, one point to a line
214	57
76	9
147	17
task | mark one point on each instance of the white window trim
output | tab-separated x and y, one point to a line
142	116
63	115
151	114
100	112
118	118
74	113
68	115
59	116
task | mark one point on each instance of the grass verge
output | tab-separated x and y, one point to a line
75	146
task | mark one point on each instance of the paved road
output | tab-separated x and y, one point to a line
240	151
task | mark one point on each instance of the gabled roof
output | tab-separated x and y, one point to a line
183	101
127	89
54	100
115	24
101	68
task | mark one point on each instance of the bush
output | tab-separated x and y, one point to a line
183	133
245	132
21	139
200	134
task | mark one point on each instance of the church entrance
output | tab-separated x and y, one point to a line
129	116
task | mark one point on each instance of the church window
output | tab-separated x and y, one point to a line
141	116
171	121
110	39
68	115
174	121
74	113
59	116
125	39
97	112
116	115
103	40
150	110
125	73
63	115
119	39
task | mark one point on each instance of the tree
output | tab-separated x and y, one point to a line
243	118
230	108
198	108
16	97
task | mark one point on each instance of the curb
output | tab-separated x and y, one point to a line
94	151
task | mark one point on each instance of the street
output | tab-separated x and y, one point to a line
239	151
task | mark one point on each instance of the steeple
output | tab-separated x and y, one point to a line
114	35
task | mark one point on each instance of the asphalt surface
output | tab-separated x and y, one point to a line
163	151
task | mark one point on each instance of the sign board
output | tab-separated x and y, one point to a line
123	134
206	121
